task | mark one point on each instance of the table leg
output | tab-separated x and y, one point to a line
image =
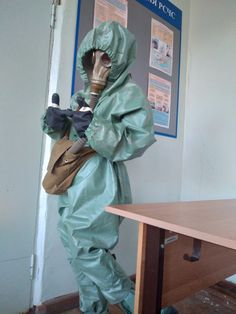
149	272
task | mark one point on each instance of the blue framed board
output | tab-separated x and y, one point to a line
157	28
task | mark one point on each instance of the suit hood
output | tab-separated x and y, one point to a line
116	41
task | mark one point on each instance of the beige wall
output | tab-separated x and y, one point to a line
24	39
209	168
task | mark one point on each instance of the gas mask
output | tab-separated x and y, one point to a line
97	64
101	69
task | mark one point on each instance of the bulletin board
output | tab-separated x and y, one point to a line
157	28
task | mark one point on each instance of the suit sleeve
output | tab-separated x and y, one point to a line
125	136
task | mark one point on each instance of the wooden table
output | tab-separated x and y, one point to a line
172	237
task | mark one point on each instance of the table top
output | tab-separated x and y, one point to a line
213	221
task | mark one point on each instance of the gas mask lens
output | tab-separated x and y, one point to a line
101	58
106	60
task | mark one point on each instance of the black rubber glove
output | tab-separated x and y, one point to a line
57	118
81	121
81	102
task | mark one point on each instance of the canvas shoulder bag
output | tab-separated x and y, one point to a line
63	165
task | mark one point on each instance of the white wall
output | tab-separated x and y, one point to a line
209	167
53	273
24	39
158	176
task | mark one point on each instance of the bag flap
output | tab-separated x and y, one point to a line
59	148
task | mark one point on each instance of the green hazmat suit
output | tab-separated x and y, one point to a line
121	129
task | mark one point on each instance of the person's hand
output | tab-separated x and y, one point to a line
56	118
81	120
81	102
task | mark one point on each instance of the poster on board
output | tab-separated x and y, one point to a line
159	95
110	10
161	47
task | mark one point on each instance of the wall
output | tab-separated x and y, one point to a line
209	168
50	281
158	176
24	39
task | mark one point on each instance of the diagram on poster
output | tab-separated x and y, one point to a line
110	10
161	48
159	95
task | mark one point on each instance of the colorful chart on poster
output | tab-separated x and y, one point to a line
159	95
161	47
110	10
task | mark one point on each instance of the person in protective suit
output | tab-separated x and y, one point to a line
120	128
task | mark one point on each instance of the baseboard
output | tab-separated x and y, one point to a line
61	304
71	301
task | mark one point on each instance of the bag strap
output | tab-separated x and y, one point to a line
67	131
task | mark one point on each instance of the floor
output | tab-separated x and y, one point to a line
113	310
220	298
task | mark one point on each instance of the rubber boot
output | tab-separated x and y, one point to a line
169	310
127	305
97	308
